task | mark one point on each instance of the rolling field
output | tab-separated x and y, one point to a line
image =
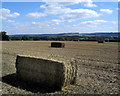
98	66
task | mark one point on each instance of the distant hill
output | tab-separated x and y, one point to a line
115	34
112	34
42	35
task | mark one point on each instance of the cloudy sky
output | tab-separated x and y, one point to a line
59	17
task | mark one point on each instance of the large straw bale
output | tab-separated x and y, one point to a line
47	72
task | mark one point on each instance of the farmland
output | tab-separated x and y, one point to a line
98	66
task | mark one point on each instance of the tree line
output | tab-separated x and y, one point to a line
5	37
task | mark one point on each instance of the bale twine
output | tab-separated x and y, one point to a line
46	72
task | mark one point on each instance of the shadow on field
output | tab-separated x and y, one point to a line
13	80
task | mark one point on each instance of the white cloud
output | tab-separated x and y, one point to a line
44	24
6	13
47	27
98	22
106	11
55	7
114	22
87	3
74	25
34	23
78	14
36	15
94	22
27	27
57	21
54	28
37	23
90	5
11	21
51	9
43	6
13	15
66	14
2	18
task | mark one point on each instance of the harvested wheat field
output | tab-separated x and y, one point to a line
97	66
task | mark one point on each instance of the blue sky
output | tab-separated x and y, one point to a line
59	17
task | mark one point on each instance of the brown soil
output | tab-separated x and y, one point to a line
98	66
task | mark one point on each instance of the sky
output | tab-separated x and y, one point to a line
46	17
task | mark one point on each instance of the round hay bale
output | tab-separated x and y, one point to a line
46	72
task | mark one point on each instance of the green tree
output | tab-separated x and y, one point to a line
15	38
60	38
36	38
25	38
4	36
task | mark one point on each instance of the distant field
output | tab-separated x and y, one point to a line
97	65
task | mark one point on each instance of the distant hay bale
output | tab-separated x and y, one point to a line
57	44
49	73
107	40
75	40
100	41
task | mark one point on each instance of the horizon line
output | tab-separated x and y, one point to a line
64	33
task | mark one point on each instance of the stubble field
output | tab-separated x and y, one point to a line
98	66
